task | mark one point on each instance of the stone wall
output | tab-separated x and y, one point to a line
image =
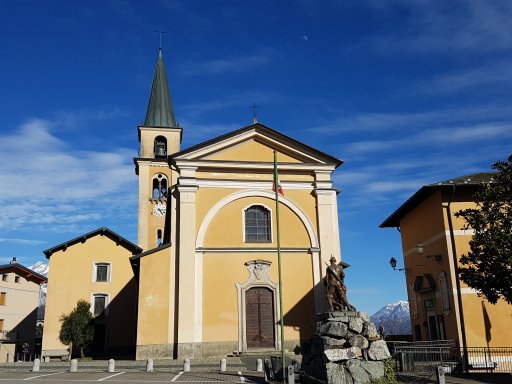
345	350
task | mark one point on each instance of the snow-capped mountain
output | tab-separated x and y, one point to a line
394	317
42	269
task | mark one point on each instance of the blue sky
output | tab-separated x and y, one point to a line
405	92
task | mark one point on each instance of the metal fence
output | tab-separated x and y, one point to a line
426	355
490	360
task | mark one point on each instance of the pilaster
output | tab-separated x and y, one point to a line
187	188
142	230
327	211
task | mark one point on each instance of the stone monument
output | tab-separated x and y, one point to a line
346	348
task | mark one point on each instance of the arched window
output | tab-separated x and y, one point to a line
160	187
257	224
160	148
159	239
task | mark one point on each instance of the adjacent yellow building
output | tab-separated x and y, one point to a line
206	274
433	240
19	299
95	267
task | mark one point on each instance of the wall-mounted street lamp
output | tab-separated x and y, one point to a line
421	250
392	262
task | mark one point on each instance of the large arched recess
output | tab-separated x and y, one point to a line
313	240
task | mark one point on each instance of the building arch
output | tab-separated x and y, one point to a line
313	240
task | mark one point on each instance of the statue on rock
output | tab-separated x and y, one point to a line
336	289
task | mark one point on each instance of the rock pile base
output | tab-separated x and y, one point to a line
345	350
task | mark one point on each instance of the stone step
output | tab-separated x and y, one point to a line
260	352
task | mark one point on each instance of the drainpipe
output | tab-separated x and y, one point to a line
457	282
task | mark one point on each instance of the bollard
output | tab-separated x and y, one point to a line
259	365
149	365
186	365
291	375
7	358
440	375
47	359
73	365
36	365
111	365
223	364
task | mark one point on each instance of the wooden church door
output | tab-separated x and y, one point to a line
259	306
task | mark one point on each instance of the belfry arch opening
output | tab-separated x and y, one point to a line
160	147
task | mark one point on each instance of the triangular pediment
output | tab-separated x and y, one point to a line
255	143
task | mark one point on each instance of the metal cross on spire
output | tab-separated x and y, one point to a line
161	33
254	115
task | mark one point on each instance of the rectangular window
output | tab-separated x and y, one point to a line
1	325
16	279
257	224
102	272
2	298
100	303
4	277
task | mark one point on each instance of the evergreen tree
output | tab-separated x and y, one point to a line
77	329
487	267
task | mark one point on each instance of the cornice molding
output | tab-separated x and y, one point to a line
255	250
245	165
253	184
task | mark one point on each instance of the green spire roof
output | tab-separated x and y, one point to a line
160	112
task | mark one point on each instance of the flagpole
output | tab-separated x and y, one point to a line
276	187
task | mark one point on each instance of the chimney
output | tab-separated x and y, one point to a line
13	261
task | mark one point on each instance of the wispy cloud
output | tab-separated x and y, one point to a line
436	136
21	241
58	184
495	76
388	122
444	27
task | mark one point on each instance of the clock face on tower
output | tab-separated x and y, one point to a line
159	209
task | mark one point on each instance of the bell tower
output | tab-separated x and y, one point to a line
159	136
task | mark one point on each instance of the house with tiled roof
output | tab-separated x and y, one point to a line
442	307
19	300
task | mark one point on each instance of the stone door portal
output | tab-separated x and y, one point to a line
259	306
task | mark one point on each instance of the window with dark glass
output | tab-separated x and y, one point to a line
102	272
257	224
159	239
100	303
160	187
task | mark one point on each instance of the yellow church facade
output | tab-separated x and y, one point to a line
206	267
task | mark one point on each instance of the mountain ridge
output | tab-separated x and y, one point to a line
394	317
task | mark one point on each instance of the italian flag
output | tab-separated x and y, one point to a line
276	184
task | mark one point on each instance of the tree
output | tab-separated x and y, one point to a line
77	329
487	267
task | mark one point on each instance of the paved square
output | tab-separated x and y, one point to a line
132	377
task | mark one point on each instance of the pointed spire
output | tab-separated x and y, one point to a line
160	112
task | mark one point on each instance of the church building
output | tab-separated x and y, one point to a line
203	279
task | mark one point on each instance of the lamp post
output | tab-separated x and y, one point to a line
392	262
